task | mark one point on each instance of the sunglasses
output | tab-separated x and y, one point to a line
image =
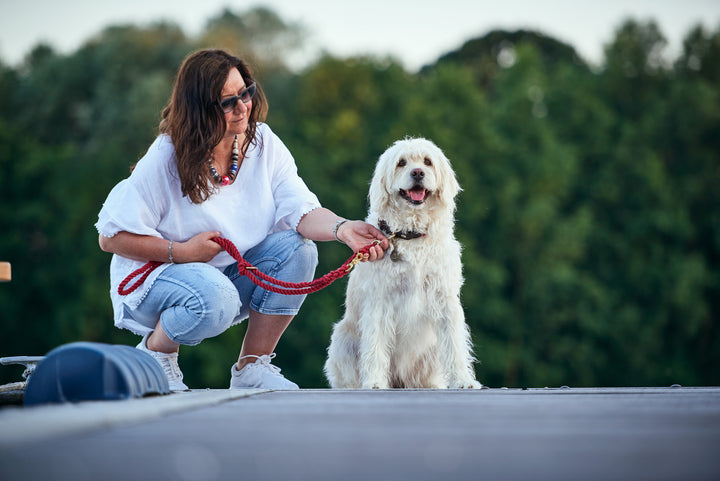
228	104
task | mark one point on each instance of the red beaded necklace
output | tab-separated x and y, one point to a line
226	179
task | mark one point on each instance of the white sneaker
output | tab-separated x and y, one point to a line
169	365
260	374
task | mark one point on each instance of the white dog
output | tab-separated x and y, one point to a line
404	326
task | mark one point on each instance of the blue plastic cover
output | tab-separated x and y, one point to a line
85	371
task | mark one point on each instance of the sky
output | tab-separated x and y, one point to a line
415	32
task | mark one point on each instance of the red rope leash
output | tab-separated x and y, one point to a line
144	270
257	277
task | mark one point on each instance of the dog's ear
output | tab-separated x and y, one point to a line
378	194
449	187
451	183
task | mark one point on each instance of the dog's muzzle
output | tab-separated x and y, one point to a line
417	194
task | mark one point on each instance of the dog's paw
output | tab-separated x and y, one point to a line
468	384
375	385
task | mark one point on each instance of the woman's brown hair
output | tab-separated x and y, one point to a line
195	121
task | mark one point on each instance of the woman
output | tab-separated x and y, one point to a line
216	170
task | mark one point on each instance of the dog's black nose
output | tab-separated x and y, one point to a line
417	174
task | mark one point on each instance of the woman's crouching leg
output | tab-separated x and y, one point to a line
192	302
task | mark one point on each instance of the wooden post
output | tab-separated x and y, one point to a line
5	274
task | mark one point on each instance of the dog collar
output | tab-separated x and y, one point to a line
402	234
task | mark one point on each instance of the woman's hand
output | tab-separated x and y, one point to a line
358	234
199	248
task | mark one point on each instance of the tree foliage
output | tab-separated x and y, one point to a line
590	215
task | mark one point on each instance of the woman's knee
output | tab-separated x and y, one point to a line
290	244
306	255
286	253
300	261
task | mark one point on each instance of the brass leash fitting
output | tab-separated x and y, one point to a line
355	261
360	256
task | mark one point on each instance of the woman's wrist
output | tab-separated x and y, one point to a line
176	252
336	229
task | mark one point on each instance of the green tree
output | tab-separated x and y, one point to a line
258	35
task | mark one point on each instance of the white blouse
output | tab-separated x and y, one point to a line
267	196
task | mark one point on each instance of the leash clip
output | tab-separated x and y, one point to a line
355	261
359	256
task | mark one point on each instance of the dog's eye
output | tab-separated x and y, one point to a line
402	163
428	161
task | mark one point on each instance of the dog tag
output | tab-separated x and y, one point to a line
395	256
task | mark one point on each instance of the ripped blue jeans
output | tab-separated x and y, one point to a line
195	301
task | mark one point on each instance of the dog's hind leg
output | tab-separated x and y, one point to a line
456	348
341	367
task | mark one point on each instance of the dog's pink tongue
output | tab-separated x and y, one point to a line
417	195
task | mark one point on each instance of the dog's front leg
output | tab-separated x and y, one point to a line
374	359
456	352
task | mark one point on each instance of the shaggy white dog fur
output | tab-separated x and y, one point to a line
404	326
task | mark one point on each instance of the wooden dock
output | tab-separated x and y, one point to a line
491	434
